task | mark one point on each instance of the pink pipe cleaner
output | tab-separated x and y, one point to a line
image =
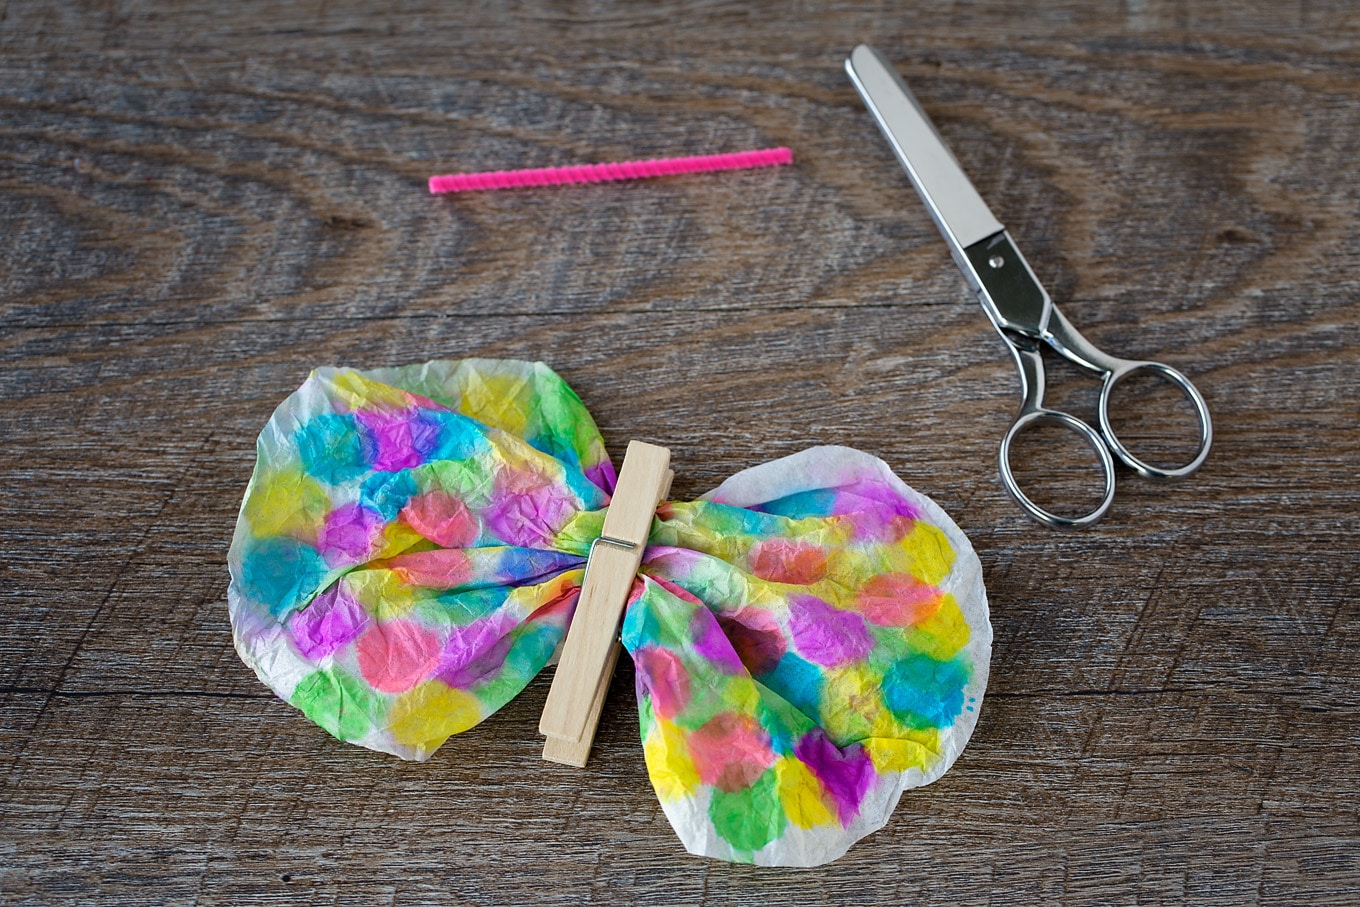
623	170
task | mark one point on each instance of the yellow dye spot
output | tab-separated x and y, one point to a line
942	634
286	502
529	599
930	553
427	715
801	795
847	569
911	749
397	538
495	400
383	593
668	763
584	527
853	702
356	392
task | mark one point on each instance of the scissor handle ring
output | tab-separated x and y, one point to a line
1143	468
1051	417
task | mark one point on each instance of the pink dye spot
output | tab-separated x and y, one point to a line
446	568
898	600
396	655
662	674
394	440
329	622
730	751
441	518
756	638
901	527
349	535
825	635
783	561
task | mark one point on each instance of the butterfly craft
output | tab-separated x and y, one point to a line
810	638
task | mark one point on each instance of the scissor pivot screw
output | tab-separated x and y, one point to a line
996	261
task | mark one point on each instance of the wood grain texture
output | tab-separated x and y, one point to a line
202	202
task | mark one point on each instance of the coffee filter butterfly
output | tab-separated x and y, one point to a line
810	638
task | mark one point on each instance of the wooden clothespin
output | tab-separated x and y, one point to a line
591	650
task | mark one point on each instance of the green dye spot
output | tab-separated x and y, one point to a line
337	702
656	621
646	717
749	818
498	689
565	429
469	481
784	723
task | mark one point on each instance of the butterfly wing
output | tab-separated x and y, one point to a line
812	640
395	570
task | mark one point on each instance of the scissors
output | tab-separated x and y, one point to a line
1011	295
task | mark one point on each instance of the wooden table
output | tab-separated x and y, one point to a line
201	203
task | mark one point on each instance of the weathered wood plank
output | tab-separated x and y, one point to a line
202	203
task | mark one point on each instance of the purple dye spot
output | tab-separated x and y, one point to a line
602	475
846	774
876	495
349	534
391	440
712	644
825	635
527	509
470	644
479	669
332	620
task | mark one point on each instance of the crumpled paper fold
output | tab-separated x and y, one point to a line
810	638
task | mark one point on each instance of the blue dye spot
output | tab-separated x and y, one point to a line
458	609
331	447
801	505
774	718
388	492
798	681
525	566
587	492
533	646
426	433
922	692
456	437
282	573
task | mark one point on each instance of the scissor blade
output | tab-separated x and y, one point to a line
993	267
961	214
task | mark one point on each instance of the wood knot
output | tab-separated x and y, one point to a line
1236	236
346	222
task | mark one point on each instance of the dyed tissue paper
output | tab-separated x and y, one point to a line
810	638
